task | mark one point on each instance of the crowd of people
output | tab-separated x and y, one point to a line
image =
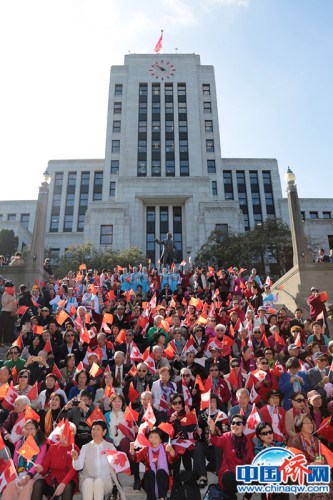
182	368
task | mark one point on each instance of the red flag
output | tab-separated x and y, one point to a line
11	395
18	343
33	393
205	400
95	415
158	47
121	337
118	461
68	433
29	448
38	330
199	383
298	341
208	383
14	374
56	371
3	390
141	439
169	352
189	419
61	317
233	379
22	310
2	443
132	393
167	428
252	422
133	371
327	454
279	339
131	415
108	391
85	336
95	370
48	347
8	475
326	430
31	414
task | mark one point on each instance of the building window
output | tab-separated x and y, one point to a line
168	90
11	217
54	256
156	168
327	215
54	226
70	199
169	126
228	186
150	232
116	126
214	188
156	90
142	108
156	145
170	168
85	179
143	89
211	167
83	200
182	108
112	188
168	107
164	221
80	223
257	219
169	146
117	108
156	108
246	222
240	178
1	217
142	146
266	177
98	186
183	146
156	127
143	126
184	169
181	89
68	223
115	167
142	169
118	89
269	204
206	89
177	231
303	216
223	230
58	180
207	107
25	218
242	200
210	145
313	215
182	127
71	179
106	234
255	199
116	146
208	125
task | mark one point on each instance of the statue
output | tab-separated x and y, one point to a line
169	251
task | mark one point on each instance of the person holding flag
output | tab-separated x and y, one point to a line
49	416
237	450
60	478
103	394
156	458
29	451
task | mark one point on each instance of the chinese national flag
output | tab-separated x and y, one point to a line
131	415
33	393
279	339
132	393
199	383
189	419
14	374
95	370
133	371
108	391
29	448
61	303
96	415
167	428
22	310
61	317
233	379
108	318
31	414
72	310
68	433
169	352
84	336
3	390
158	47
121	337
18	342
298	341
327	454
111	295
142	321
38	330
208	383
56	371
48	347
228	340
82	267
326	430
205	400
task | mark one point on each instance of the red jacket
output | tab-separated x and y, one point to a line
230	459
143	456
316	307
270	382
57	464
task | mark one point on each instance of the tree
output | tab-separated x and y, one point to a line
8	242
269	244
97	259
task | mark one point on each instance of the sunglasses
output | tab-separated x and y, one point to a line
186	375
299	400
234	366
238	423
143	371
70	335
266	433
269	353
13	352
176	403
23	376
213	369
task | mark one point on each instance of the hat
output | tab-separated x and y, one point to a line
273	392
214	348
89	354
46	309
262	308
318	355
293	346
314	289
312	395
256	329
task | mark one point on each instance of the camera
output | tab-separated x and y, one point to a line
75	402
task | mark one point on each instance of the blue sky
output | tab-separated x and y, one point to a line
273	67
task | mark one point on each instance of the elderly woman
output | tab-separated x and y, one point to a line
156	328
21	488
237	450
12	429
60	478
186	386
299	407
49	417
163	388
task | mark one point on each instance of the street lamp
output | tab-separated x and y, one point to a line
47	177
300	253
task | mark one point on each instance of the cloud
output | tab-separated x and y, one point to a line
180	12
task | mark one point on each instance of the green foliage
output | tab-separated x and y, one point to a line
8	242
267	244
96	259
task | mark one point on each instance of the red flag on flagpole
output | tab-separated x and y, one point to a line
30	414
167	428
205	400
95	415
132	393
158	47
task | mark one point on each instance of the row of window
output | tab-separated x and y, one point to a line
24	218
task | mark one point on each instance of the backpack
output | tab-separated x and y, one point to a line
215	492
185	487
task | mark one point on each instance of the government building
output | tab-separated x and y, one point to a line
163	171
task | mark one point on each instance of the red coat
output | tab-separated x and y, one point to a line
264	388
230	459
266	417
57	464
143	456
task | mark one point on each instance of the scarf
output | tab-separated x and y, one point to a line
166	390
311	447
50	419
158	464
10	290
239	445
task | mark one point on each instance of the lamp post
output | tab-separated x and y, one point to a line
300	252
35	257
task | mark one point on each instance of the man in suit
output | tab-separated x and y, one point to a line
127	347
141	382
107	353
244	406
118	369
319	375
